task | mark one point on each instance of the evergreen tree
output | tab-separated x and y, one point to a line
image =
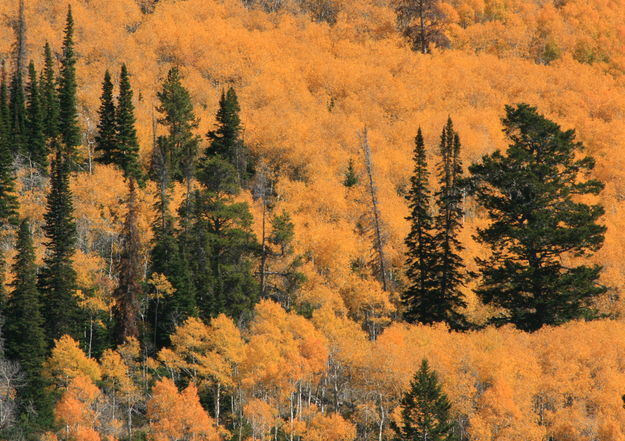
447	265
425	410
106	139
167	259
24	333
49	96
5	113
531	194
18	114
180	145
421	298
9	203
127	141
68	113
351	177
57	279
226	141
129	289
223	243
36	140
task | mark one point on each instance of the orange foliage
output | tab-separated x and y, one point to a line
178	415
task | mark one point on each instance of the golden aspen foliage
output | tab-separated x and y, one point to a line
79	411
178	415
67	361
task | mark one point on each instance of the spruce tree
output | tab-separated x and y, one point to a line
57	279
351	177
421	299
9	203
36	140
18	114
49	96
5	113
180	145
425	410
532	193
447	265
106	139
223	243
226	141
127	141
68	113
24	332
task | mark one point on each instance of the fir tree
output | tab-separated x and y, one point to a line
49	96
106	139
129	289
448	267
9	203
425	410
57	279
24	332
225	140
5	113
36	140
68	113
127	141
421	298
531	194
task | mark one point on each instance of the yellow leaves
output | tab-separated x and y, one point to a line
261	416
178	415
207	354
78	411
68	362
283	348
332	427
162	286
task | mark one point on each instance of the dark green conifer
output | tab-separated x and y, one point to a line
18	115
49	96
425	410
447	265
351	177
106	139
57	279
226	140
36	139
127	142
68	114
24	333
421	299
531	194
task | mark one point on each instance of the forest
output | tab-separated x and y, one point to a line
312	220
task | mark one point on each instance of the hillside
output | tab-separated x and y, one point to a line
307	89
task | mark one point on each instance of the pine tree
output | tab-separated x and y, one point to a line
225	140
425	410
36	140
130	270
531	194
68	113
49	96
106	139
57	279
421	298
24	332
18	115
448	266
